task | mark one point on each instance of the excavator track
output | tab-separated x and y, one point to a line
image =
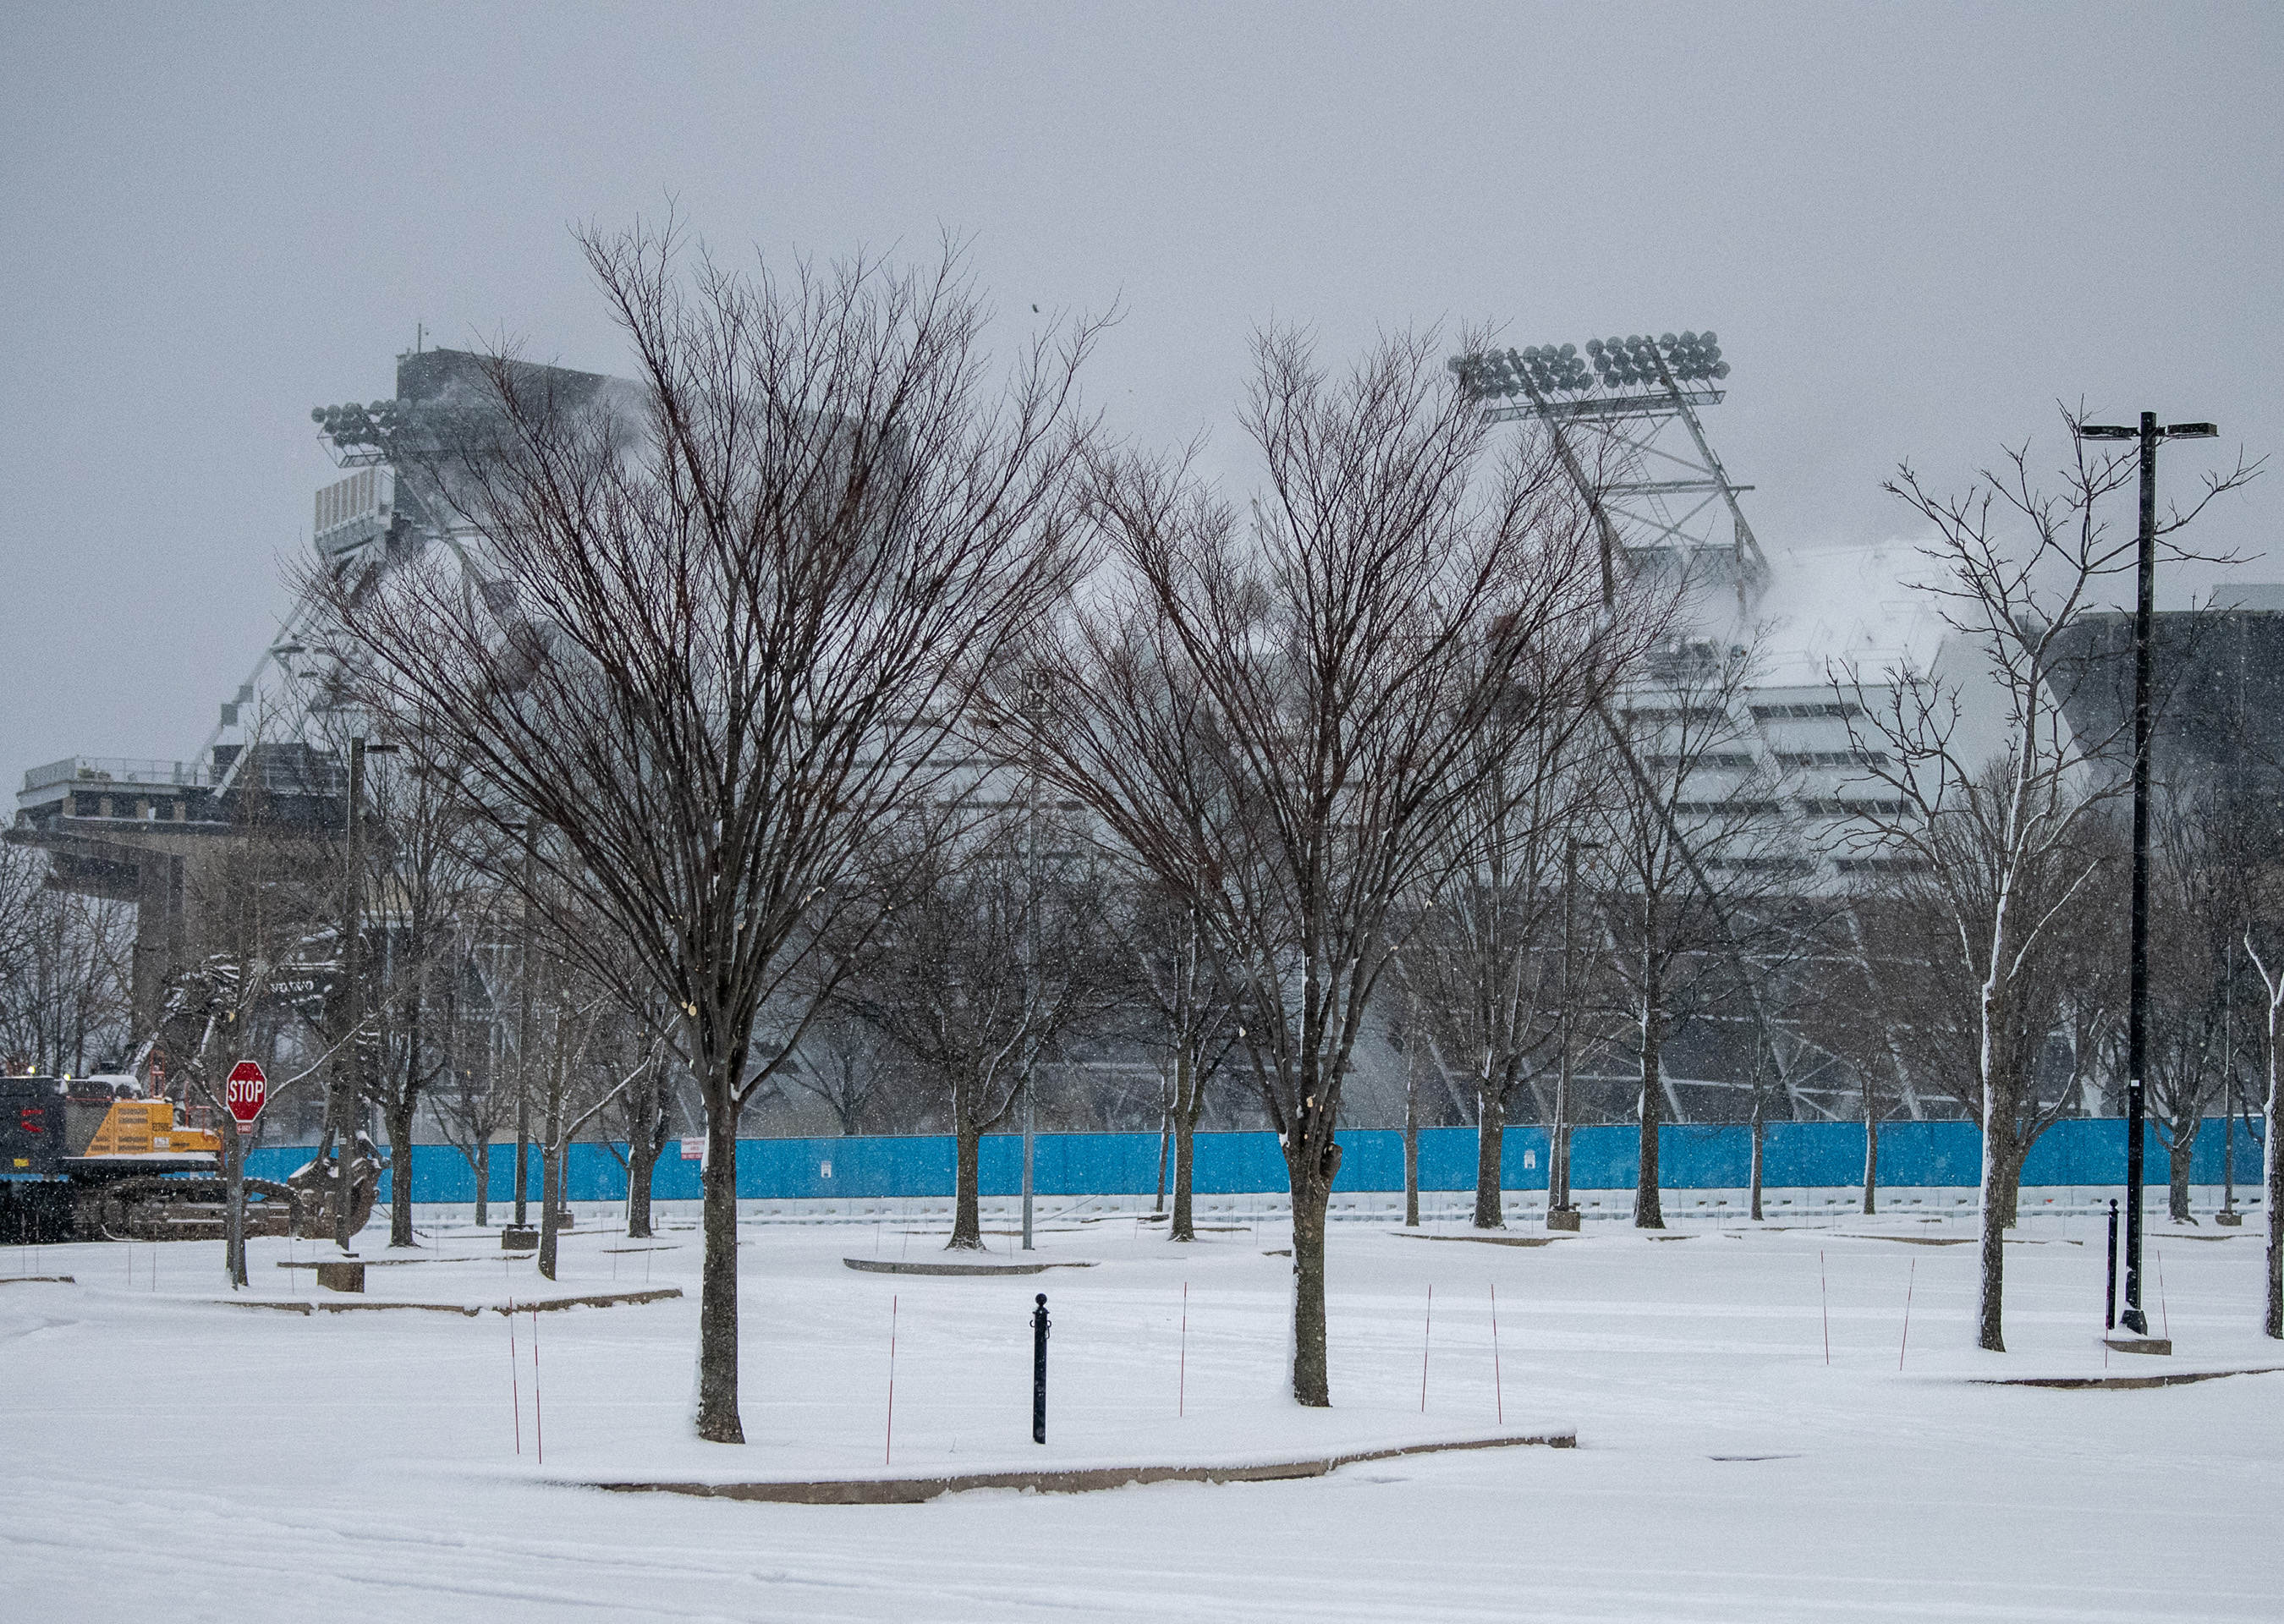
156	1209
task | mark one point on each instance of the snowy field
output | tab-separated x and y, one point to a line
171	1458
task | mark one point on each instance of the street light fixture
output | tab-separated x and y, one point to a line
2136	1021
1628	363
1663	491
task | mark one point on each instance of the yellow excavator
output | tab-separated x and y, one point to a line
95	1159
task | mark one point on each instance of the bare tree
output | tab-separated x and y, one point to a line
1278	719
1857	1012
1191	1021
2194	921
474	1111
424	865
1995	807
1483	957
643	1111
218	1011
260	908
851	1066
588	1050
477	1103
2211	840
1703	869
2058	1036
989	961
1766	1081
66	976
716	649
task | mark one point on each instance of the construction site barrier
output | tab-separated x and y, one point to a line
2081	1151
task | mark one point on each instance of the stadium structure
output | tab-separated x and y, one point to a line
1625	415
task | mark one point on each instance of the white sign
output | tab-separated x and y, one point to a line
825	1169
694	1150
1530	1159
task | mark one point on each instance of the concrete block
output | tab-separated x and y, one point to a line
1562	1218
2139	1345
342	1276
512	1239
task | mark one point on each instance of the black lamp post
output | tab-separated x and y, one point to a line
2137	1020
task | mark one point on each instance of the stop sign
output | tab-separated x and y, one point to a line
248	1090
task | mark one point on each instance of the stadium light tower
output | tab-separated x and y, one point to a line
1666	490
2136	1018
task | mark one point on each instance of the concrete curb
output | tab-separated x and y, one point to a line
544	1305
912	1491
376	1262
878	1266
1485	1240
1954	1240
2177	1378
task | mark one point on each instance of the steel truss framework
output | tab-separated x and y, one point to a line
1633	445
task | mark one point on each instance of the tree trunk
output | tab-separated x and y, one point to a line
550	1199
483	1183
233	1202
400	1164
1871	1153
398	1121
1490	1149
316	1220
1165	1138
2010	1189
1311	1179
718	1302
1411	1148
2179	1155
2274	1186
1648	1212
643	1149
1186	1143
1997	1202
2273	1193
1991	1334
1760	1141
346	1105
966	1217
550	1175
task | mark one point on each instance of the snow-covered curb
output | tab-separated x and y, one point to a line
531	1305
1066	1480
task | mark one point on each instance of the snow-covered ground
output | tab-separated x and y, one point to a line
169	1458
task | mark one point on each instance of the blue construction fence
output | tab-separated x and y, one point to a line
2083	1150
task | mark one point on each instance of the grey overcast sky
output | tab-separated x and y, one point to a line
1914	227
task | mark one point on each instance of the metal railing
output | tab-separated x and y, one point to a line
118	769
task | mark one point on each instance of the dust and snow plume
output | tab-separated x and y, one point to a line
412	463
1826	610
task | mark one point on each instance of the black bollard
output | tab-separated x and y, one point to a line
1039	1371
2109	1312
